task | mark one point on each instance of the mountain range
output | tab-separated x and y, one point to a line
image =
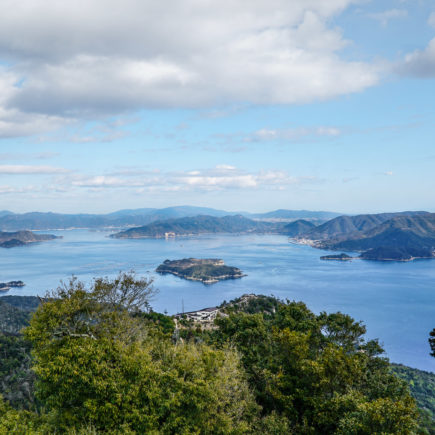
10	221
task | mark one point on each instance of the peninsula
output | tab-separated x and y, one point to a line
401	236
208	271
21	238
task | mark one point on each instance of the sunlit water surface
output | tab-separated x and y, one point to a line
395	300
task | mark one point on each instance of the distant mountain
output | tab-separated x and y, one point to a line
20	238
134	217
294	214
296	228
343	226
197	225
119	219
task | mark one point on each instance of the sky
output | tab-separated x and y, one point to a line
248	105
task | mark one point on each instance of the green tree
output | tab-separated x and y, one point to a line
318	372
98	362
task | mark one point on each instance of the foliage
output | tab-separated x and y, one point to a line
98	363
105	363
12	319
318	371
252	304
16	377
161	322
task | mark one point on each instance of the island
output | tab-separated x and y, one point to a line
198	225
5	286
208	271
339	257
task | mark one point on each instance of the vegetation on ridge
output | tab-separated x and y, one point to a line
105	363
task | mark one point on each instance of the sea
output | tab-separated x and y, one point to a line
394	300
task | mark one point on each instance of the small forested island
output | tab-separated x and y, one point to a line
208	270
5	286
22	238
339	257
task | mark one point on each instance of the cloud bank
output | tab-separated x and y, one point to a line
69	61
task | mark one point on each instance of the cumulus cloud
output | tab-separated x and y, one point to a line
86	60
420	63
385	16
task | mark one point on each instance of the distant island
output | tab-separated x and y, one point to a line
5	286
208	271
339	257
22	238
203	224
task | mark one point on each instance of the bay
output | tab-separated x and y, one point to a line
395	300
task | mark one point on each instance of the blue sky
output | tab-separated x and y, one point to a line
241	105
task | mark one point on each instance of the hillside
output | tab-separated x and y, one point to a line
343	226
400	238
297	228
250	343
197	225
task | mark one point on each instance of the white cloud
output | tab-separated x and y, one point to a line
24	170
431	19
292	134
222	177
86	60
419	63
385	16
5	189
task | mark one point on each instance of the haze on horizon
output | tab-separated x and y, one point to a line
250	105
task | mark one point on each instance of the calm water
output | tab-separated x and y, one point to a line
396	301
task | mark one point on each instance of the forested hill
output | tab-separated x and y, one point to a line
264	366
198	225
400	238
344	226
297	228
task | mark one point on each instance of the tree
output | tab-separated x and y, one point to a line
318	372
432	342
99	362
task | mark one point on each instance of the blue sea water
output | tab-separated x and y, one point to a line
395	300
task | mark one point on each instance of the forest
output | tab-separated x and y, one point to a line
96	359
